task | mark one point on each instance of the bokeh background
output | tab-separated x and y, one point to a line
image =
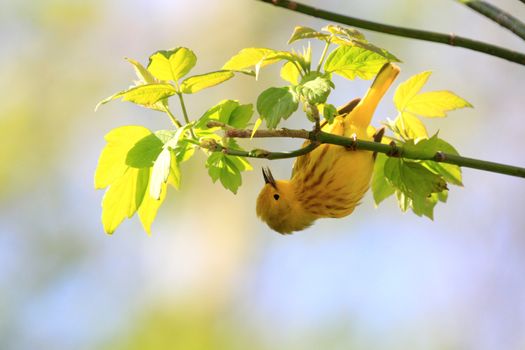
212	276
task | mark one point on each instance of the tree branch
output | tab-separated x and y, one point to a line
320	137
497	15
448	39
214	146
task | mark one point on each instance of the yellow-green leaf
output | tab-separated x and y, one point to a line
143	74
198	82
172	64
290	73
351	62
256	126
149	207
381	188
410	127
159	173
301	32
181	156
144	152
250	57
146	95
112	160
123	197
409	88
435	103
349	33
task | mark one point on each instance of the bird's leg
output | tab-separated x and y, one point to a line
378	137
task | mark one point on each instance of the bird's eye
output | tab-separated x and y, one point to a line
276	196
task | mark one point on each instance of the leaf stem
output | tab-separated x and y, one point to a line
323	56
392	150
183	107
172	117
448	39
497	15
185	113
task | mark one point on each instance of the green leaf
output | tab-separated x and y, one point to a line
352	61
123	197
276	103
435	103
301	32
220	112
112	161
315	88
450	172
425	205
160	172
183	151
220	166
241	163
381	188
290	73
240	116
328	111
198	82
172	64
149	207
146	95
144	152
411	178
403	201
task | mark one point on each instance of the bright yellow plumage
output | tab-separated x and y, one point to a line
331	180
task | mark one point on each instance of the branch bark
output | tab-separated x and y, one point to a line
320	137
497	15
448	39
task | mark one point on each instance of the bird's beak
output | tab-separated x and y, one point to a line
268	177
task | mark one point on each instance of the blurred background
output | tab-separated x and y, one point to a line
211	276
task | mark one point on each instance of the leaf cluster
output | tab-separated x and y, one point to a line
138	165
417	185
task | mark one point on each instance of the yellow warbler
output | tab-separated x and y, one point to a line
329	181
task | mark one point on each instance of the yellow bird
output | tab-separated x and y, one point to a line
331	180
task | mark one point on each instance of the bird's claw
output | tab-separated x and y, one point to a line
353	145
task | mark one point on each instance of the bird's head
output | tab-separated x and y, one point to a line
278	207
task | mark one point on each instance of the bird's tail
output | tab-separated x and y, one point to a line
362	114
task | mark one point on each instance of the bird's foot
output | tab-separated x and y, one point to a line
353	145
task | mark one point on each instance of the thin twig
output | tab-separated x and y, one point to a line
499	16
448	39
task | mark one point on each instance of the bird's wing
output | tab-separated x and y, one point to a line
335	128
